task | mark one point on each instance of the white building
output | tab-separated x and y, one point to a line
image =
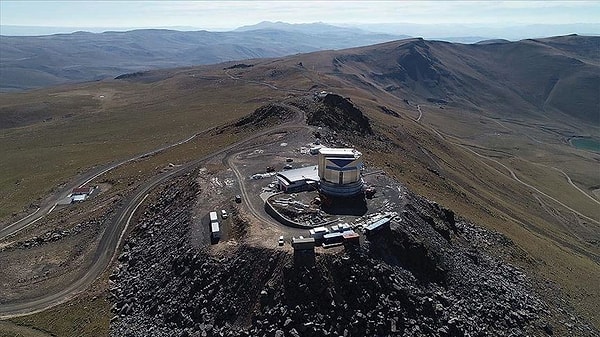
297	180
339	171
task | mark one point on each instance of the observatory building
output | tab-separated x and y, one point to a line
339	172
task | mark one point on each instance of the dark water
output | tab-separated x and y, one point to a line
589	144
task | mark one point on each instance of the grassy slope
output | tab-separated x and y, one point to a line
130	119
86	315
482	190
561	247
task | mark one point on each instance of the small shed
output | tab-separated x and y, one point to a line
351	237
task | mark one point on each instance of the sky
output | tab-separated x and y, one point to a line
226	15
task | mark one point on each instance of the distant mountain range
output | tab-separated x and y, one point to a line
28	62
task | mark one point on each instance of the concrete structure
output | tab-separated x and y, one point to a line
215	230
339	172
303	243
296	180
315	149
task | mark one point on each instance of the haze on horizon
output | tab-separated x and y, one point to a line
507	19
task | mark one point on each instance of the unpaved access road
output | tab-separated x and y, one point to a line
117	226
50	202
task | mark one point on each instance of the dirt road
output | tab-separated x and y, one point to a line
111	238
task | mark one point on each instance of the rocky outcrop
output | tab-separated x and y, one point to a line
338	114
423	276
270	114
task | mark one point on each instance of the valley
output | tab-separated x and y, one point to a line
498	155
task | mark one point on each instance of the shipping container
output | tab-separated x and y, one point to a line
213	216
318	232
377	225
215	230
333	238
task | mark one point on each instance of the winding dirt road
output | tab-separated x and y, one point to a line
49	204
112	236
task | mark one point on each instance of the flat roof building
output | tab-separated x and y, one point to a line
299	179
80	194
78	198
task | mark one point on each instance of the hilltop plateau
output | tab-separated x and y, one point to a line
472	148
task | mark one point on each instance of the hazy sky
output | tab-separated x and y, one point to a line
221	15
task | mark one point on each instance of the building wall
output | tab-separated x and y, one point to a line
340	169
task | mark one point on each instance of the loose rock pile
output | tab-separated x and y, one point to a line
424	276
57	234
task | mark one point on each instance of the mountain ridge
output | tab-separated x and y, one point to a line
29	62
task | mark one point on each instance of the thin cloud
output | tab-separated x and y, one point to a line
231	14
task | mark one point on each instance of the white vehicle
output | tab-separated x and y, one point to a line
224	214
281	240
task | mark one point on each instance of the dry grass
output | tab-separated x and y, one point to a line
135	118
86	315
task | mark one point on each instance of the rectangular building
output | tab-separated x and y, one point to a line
297	180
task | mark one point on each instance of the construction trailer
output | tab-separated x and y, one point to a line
341	227
377	225
333	238
215	228
317	233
